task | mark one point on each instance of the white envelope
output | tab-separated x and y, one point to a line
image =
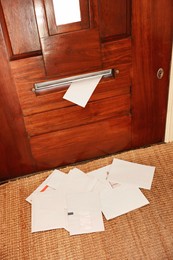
84	213
43	186
74	181
58	180
48	211
80	91
121	200
101	173
76	170
101	185
124	172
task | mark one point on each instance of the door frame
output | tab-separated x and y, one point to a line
169	119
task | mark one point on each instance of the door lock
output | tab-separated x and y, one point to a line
160	73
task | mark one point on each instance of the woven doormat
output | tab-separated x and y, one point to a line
145	233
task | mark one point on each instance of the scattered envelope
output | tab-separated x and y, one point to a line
121	200
84	213
101	185
48	211
43	186
74	181
76	170
124	172
58	180
101	173
80	91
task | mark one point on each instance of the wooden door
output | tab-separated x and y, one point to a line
126	110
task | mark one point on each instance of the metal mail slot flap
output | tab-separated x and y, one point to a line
67	81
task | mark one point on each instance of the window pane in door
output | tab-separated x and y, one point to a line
67	11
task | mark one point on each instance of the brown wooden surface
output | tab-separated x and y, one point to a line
60	119
81	143
5	32
21	25
41	18
32	104
105	125
152	42
114	19
15	155
32	71
117	52
79	51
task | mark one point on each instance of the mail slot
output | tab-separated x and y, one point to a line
61	83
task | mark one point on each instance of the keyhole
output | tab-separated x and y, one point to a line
160	73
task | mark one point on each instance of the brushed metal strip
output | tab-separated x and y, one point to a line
67	81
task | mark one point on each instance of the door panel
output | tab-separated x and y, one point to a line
77	58
114	19
21	26
152	43
116	56
87	140
117	52
60	119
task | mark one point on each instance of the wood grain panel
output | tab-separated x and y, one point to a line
21	25
15	154
117	52
5	32
152	42
41	18
29	71
114	19
84	142
76	52
65	118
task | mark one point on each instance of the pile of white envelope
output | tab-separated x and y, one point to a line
76	201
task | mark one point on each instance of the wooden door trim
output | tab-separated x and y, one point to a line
16	158
152	31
